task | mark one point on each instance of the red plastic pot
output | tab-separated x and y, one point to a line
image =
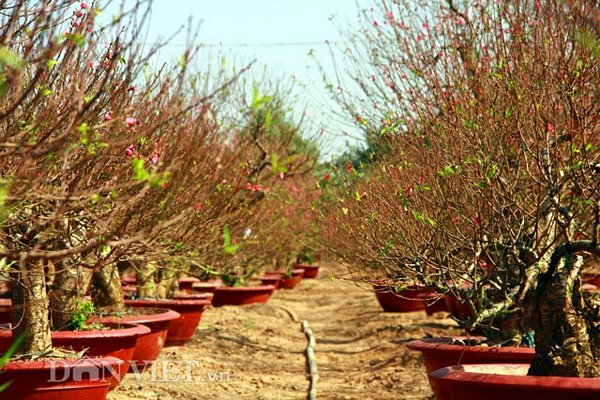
186	284
83	379
310	271
436	304
279	274
441	352
290	282
407	300
508	381
129	291
458	309
236	296
271	280
5	311
119	341
180	329
148	346
193	296
592	280
129	280
206	287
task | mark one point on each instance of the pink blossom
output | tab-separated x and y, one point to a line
131	88
389	15
131	122
550	127
375	23
83	5
130	150
248	186
107	117
281	175
256	188
154	159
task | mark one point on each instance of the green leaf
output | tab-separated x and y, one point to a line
228	248
139	172
10	59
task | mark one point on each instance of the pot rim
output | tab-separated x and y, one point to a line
469	373
162	314
260	288
40	365
165	303
443	344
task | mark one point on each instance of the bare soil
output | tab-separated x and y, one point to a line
258	351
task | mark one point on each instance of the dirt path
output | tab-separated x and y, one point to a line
257	351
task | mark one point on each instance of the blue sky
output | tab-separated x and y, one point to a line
278	33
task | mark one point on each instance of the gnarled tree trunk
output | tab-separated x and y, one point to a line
69	286
107	294
566	323
30	308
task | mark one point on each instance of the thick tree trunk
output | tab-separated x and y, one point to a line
155	282
70	285
106	290
30	309
566	324
146	280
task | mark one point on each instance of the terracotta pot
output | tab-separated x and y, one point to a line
206	287
235	296
186	284
292	281
5	311
119	341
180	329
148	346
407	300
271	280
83	379
441	352
310	271
508	381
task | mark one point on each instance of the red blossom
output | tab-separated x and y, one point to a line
327	177
348	167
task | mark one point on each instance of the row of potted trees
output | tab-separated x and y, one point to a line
108	166
480	182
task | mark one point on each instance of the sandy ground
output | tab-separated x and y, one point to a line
257	351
